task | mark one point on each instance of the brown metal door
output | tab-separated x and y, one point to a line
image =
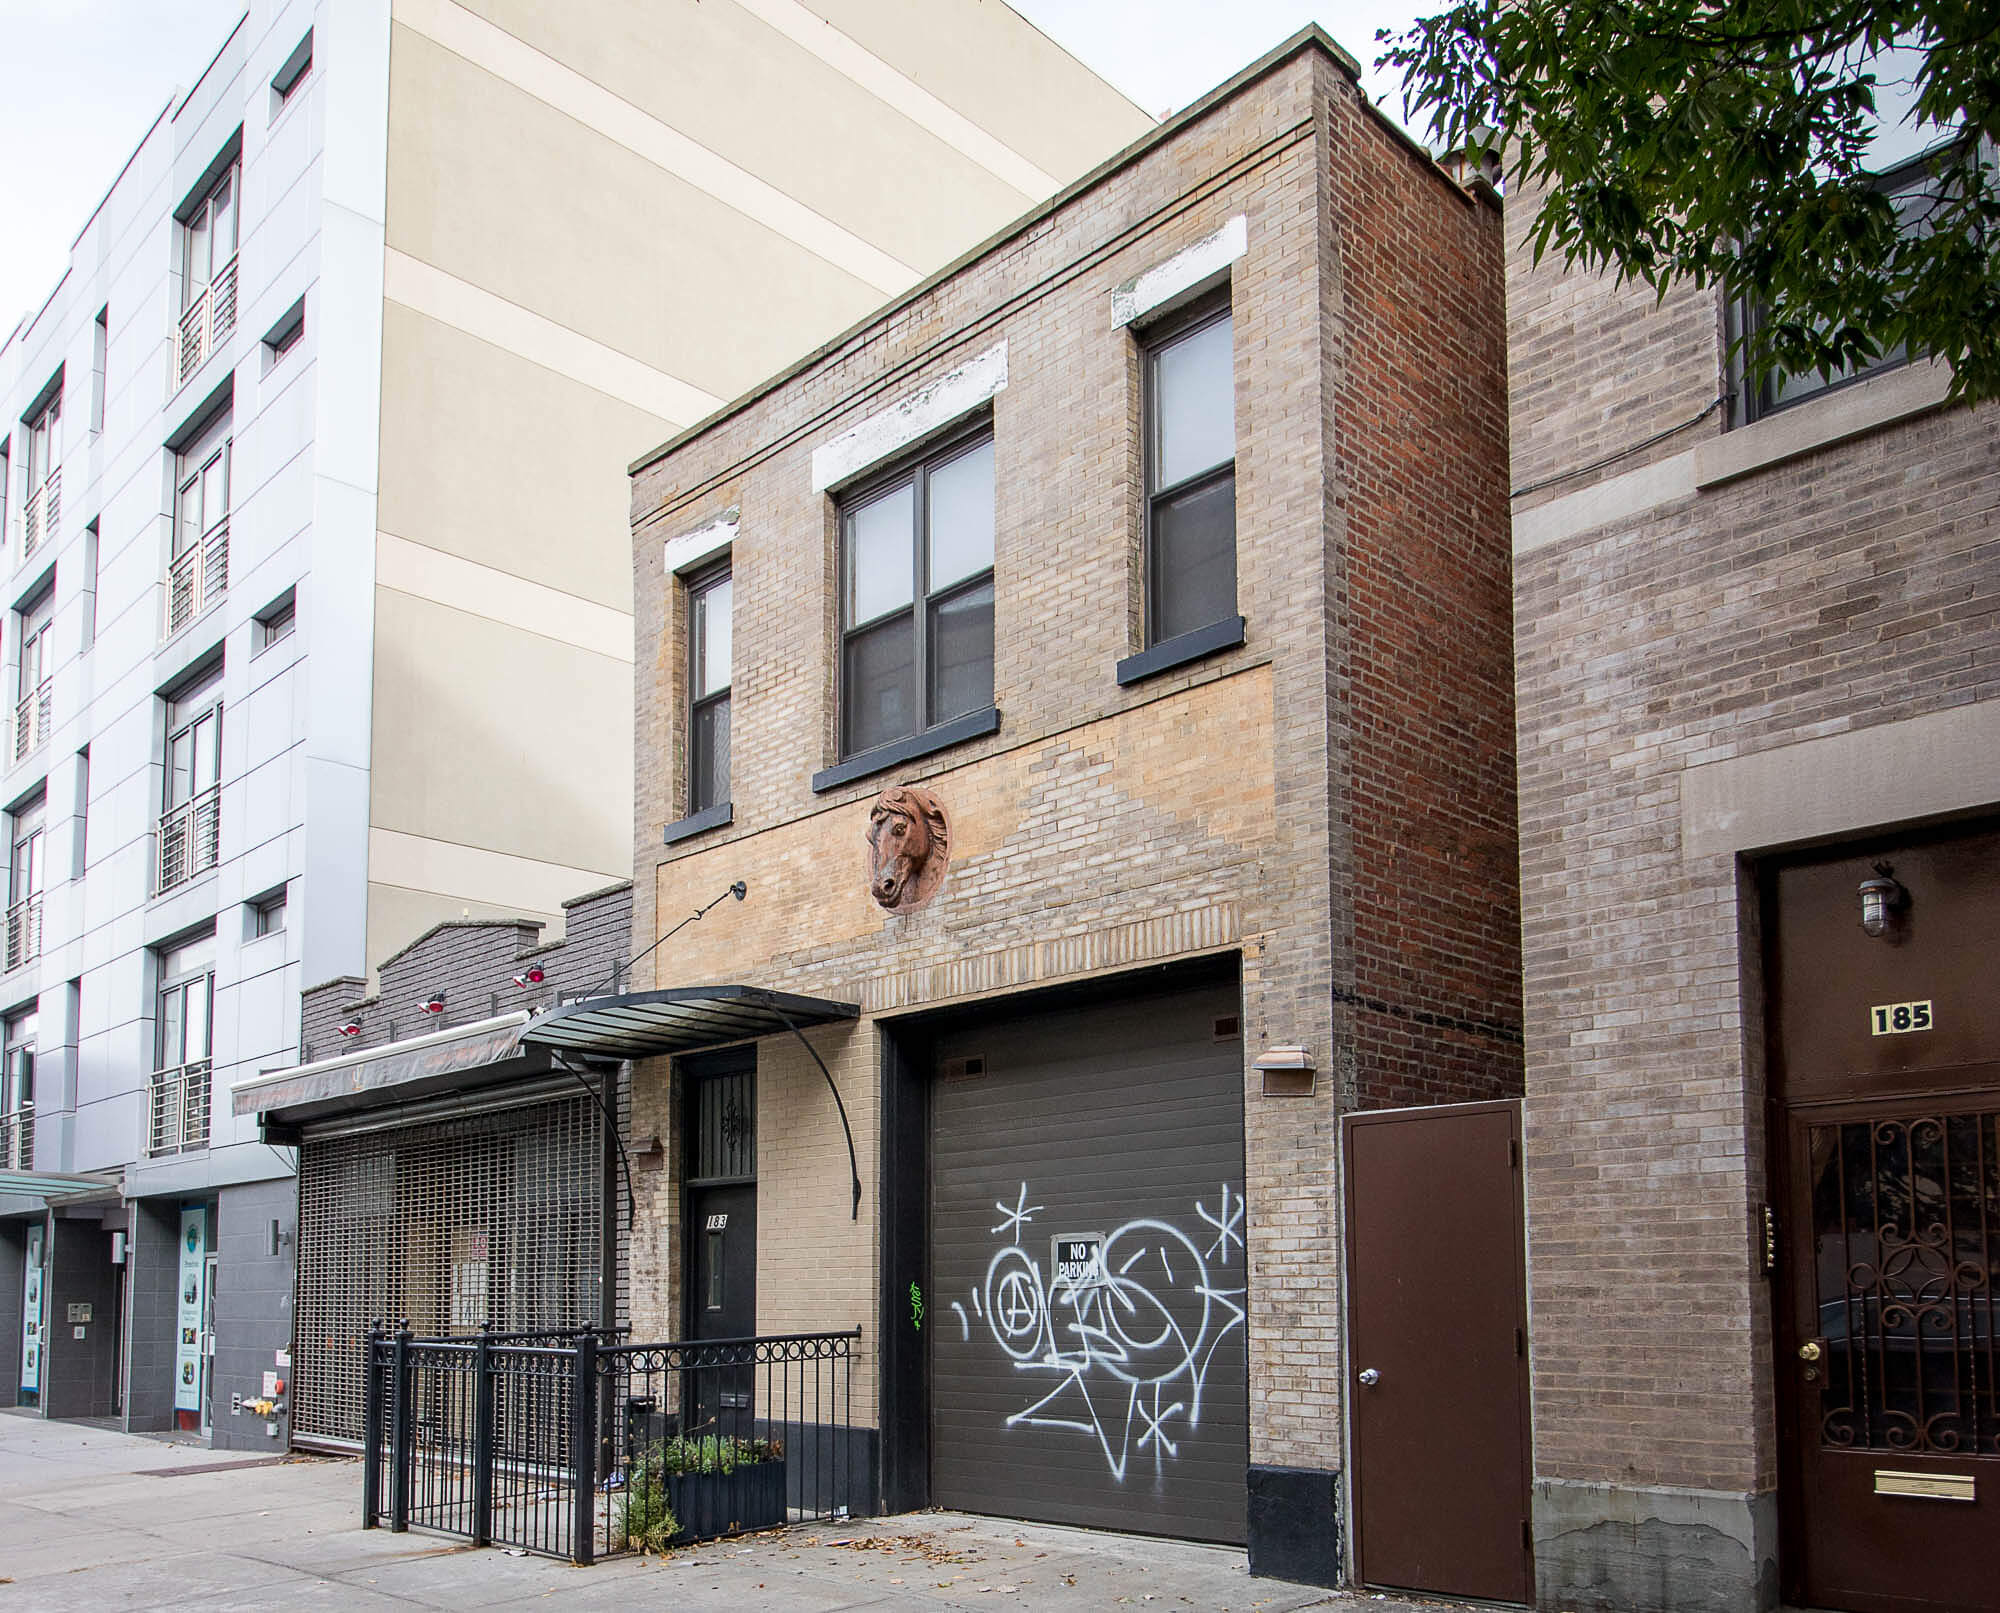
1437	1351
1886	1076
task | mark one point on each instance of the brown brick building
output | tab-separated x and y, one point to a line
1161	543
1758	639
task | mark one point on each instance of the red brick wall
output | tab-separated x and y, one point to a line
1420	425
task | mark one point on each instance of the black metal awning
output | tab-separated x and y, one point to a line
646	1024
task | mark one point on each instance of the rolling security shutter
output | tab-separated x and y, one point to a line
1089	1361
450	1222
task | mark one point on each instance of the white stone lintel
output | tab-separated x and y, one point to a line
1182	272
911	418
691	548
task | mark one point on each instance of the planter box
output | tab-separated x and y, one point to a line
711	1504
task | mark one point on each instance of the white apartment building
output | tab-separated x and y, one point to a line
316	577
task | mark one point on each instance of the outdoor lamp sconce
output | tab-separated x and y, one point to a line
1882	899
351	1028
1288	1072
531	976
433	1004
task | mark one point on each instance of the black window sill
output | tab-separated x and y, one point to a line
695	823
1170	653
973	725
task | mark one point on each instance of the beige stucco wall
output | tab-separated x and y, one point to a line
605	217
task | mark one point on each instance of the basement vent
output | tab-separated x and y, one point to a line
958	1069
1228	1027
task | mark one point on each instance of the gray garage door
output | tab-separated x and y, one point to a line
1087	1267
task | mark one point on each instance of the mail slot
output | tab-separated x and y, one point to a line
1930	1486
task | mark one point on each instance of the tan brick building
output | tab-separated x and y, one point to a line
1161	540
1758	638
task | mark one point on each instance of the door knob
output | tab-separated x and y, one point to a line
1810	1350
1370	1377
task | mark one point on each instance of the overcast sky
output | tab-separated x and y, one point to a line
82	80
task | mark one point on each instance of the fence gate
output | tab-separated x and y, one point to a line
581	1445
1437	1364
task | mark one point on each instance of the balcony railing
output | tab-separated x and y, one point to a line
24	931
180	1109
190	838
208	321
197	579
32	720
43	517
17	1139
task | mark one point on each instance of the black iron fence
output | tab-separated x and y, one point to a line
576	1445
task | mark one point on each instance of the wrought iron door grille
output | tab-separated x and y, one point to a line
1906	1235
725	1128
451	1223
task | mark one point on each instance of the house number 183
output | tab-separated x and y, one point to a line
1893	1019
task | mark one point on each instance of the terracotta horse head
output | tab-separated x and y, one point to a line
909	844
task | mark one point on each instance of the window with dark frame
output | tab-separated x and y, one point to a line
1909	189
710	597
17	1091
1190	451
267	914
916	612
277	622
27	875
189	837
208	238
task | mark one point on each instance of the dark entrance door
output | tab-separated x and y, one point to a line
721	1222
1437	1351
1087	1313
1886	1076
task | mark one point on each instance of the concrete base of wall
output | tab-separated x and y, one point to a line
1609	1548
1294	1518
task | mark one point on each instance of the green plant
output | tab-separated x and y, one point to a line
646	1520
712	1453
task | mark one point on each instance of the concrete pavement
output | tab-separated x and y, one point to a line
91	1519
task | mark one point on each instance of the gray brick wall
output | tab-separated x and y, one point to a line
472	962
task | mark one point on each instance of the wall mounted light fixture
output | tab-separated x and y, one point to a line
1883	900
530	976
433	1004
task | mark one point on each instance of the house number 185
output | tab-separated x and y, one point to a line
1893	1019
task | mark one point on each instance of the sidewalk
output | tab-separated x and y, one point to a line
91	1519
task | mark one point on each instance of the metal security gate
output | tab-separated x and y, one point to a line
453	1223
1087	1313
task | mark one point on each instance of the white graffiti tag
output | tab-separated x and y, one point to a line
1128	1337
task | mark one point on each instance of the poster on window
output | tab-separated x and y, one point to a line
31	1318
187	1338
